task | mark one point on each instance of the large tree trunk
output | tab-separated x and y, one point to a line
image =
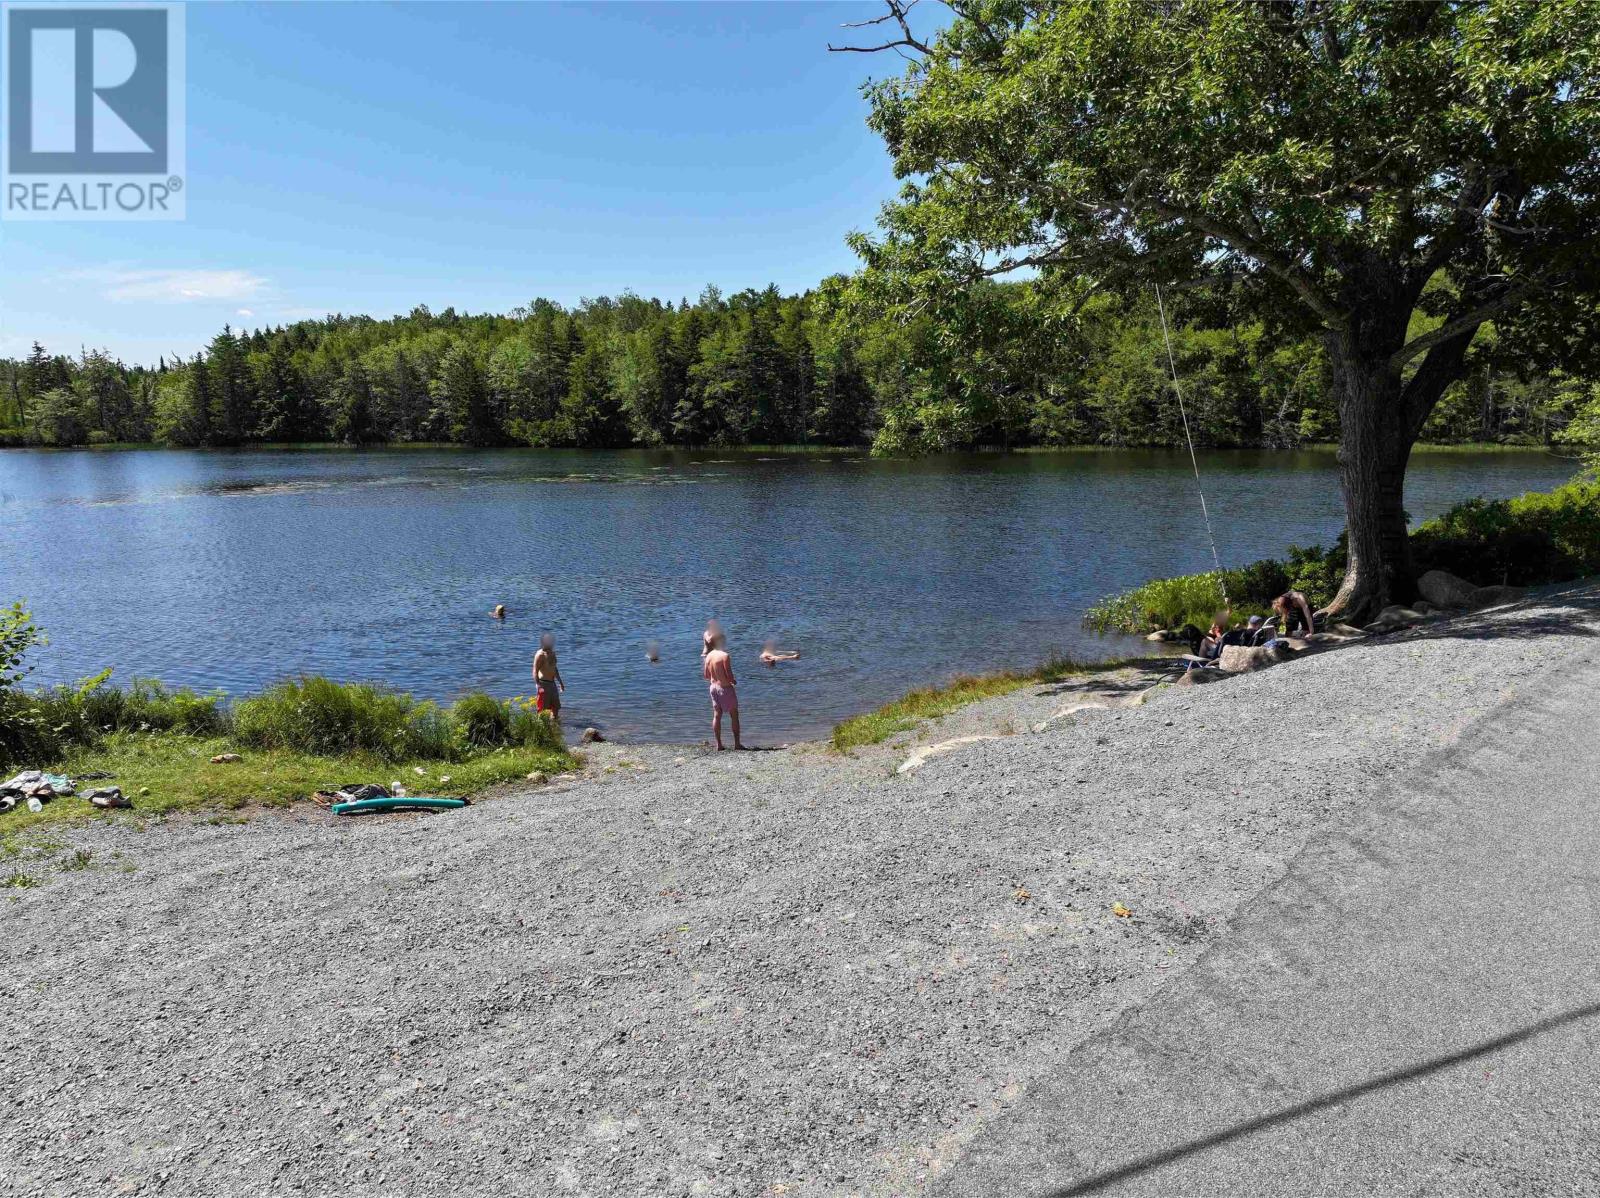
1380	415
1376	432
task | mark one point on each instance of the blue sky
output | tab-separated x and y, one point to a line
367	158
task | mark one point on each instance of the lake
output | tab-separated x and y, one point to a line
229	570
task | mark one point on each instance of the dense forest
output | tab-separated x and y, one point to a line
749	369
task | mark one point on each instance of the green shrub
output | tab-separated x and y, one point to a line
533	729
149	706
484	722
1535	538
481	721
309	715
1160	603
46	724
315	715
18	634
91	707
1316	571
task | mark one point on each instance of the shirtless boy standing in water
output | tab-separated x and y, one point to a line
547	677
718	671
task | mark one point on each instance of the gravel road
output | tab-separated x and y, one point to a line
781	972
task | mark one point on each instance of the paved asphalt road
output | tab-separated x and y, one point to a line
1413	1009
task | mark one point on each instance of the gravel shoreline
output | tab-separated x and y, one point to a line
783	972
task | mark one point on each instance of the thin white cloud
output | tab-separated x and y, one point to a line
173	286
244	312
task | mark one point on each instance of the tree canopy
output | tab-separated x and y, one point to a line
1274	150
1388	177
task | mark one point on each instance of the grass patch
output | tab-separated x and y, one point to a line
299	736
79	860
45	725
323	718
933	701
165	773
336	719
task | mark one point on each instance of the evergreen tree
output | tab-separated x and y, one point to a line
232	415
843	399
192	420
42	373
354	423
61	417
464	399
284	403
406	405
591	409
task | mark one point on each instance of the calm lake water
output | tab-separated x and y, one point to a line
229	570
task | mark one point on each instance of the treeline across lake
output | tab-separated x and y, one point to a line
755	368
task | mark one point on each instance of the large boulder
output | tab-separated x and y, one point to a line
1394	618
1242	659
1443	589
1401	617
1495	596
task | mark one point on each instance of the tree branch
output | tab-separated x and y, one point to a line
898	11
1468	320
1285	268
1445	363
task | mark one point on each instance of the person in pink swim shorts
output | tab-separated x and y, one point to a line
718	671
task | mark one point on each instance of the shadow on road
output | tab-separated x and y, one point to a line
1563	621
1168	1156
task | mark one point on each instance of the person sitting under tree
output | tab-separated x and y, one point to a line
1294	612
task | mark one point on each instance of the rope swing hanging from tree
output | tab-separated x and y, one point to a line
1172	365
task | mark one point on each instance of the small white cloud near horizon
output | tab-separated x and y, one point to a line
244	312
173	286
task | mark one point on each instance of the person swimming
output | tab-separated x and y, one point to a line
771	654
652	652
499	611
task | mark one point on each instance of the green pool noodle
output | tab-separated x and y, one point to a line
429	803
